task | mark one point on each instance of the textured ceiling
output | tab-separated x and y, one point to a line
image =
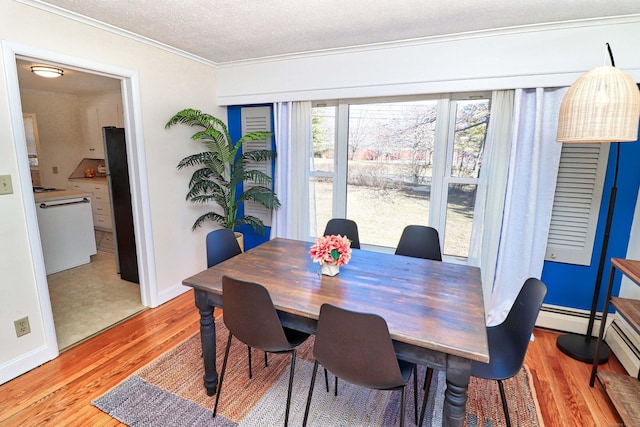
230	30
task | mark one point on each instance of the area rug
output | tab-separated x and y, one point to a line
169	392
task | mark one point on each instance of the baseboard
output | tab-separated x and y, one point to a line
174	291
624	343
619	336
26	362
567	319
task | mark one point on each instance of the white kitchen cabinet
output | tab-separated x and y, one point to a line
100	202
97	117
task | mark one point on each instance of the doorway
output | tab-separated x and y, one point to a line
127	81
88	298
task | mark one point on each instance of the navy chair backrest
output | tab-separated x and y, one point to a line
221	245
420	241
344	227
508	341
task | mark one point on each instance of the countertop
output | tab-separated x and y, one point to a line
59	195
97	180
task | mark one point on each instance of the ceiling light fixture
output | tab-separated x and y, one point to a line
46	71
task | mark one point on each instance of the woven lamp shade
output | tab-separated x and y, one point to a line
603	105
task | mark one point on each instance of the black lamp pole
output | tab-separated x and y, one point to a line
583	348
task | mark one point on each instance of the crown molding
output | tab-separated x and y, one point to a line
591	22
113	29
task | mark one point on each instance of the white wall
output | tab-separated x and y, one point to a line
628	289
60	134
550	55
167	83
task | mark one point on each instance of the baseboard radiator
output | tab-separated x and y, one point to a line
623	341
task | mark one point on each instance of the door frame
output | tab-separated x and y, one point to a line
130	92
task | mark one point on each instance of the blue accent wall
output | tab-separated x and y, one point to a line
574	285
234	121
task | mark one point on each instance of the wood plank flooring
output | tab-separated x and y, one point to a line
59	392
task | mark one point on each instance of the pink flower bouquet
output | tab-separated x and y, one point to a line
331	250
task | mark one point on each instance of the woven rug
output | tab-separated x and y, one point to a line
169	392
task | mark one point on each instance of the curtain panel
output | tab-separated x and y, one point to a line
492	186
531	182
293	134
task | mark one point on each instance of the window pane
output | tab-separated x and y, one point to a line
320	204
470	134
390	157
461	200
323	122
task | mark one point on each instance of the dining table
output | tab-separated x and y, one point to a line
434	310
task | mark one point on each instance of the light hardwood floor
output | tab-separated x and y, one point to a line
59	392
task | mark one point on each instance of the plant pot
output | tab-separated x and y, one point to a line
329	269
240	239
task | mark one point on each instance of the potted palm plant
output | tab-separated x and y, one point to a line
223	169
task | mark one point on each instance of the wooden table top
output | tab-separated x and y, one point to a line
426	303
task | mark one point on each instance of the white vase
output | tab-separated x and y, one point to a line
329	269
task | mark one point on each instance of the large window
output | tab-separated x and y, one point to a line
388	164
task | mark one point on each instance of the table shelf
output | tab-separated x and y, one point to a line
623	390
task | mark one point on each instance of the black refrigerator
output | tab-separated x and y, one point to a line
120	192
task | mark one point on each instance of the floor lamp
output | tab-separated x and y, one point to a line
603	105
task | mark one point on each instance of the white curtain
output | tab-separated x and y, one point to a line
293	134
531	182
492	187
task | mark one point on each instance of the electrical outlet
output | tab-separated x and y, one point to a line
5	184
54	170
22	326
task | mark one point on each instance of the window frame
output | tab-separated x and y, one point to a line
441	173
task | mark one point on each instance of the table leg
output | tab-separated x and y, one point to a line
208	339
455	396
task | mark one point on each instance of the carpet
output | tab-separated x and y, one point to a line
169	392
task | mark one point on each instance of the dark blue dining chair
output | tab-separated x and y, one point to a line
508	341
344	227
222	245
357	347
250	316
420	241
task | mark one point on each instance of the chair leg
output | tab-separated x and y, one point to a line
504	403
266	360
415	393
249	354
402	406
224	368
313	381
427	387
293	368
336	388
326	379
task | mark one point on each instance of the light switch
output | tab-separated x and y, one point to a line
5	184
